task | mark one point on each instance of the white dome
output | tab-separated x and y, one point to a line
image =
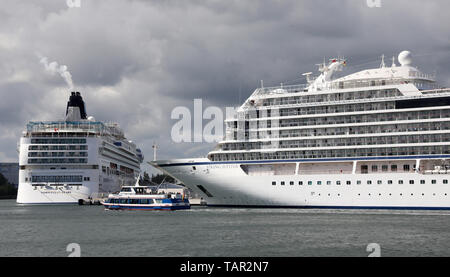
91	118
405	58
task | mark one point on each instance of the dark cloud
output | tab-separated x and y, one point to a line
134	61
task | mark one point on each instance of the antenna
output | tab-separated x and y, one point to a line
155	147
383	65
137	181
393	61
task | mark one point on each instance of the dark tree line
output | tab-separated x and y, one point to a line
6	189
157	179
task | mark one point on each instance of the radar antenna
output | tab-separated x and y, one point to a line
383	65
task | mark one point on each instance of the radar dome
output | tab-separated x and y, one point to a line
91	118
405	58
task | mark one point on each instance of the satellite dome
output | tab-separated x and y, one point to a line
405	58
91	118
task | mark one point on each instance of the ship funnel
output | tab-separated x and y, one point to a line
76	110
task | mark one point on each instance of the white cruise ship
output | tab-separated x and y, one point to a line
378	138
76	158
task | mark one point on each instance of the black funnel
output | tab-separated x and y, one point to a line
76	100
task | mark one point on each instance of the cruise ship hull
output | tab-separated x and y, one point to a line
227	184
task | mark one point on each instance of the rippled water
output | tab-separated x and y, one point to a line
202	231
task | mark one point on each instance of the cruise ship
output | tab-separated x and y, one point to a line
74	159
375	139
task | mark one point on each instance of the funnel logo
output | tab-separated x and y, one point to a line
73	3
374	3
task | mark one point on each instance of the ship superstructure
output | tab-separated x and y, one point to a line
378	138
76	158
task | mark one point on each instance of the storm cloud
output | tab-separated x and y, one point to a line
135	61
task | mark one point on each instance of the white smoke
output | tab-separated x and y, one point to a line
54	68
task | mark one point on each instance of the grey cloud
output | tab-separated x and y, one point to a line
134	61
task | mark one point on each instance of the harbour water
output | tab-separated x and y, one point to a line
202	231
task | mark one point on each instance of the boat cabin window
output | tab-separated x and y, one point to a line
126	189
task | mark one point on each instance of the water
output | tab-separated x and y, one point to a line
202	231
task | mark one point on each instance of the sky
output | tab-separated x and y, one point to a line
135	61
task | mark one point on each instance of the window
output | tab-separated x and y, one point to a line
369	182
282	183
319	182
445	181
389	182
364	169
406	167
300	183
394	167
338	183
274	183
384	168
358	182
433	181
379	182
374	168
422	182
411	182
309	182
400	182
349	182
291	183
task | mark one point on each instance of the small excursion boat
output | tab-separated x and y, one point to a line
143	198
